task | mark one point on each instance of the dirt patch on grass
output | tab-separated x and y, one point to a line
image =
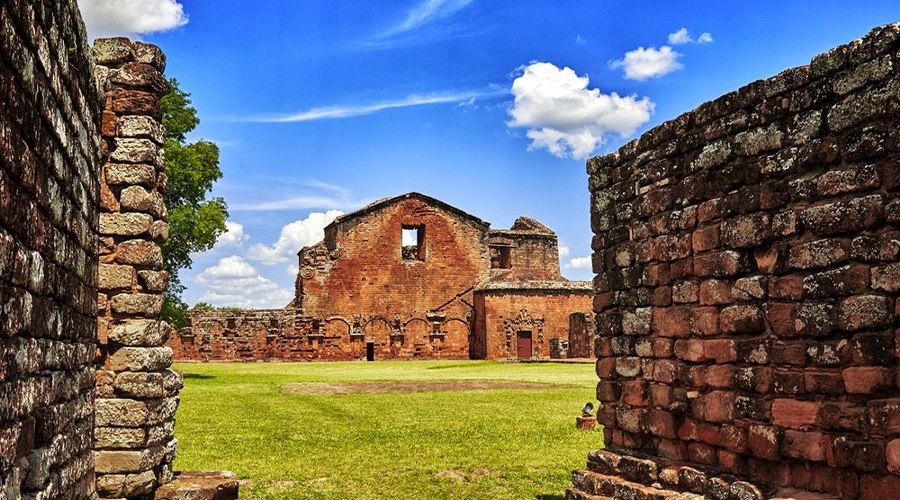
314	388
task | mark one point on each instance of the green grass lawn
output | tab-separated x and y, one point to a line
234	417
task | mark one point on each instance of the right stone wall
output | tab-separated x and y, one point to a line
748	266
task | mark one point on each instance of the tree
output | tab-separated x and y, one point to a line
194	221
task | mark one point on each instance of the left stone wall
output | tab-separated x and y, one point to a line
49	166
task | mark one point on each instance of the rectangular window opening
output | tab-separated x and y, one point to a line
500	257
412	242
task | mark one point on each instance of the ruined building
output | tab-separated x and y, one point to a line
412	277
748	291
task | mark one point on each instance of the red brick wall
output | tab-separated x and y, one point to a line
748	267
501	314
359	269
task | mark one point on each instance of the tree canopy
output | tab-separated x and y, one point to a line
195	222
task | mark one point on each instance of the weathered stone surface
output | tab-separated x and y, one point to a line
141	332
774	331
130	150
137	304
116	277
118	174
139	359
154	281
124	224
139	253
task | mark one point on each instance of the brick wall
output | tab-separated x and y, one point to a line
748	266
291	335
503	311
49	163
136	393
359	268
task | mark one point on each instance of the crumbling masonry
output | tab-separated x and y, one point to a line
455	289
748	267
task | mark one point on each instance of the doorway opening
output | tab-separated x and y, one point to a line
370	351
523	345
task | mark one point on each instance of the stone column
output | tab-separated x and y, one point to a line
136	392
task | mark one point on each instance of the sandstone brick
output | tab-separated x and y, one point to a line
705	239
892	453
139	253
747	231
845	280
750	288
154	281
794	414
840	416
716	406
741	319
867	379
886	278
715	292
704	321
878	487
140	359
861	455
786	287
128	174
819	253
671	321
804	445
764	441
719	264
852	215
125	224
141	332
140	304
864	311
115	277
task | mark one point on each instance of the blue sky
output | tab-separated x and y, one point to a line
321	106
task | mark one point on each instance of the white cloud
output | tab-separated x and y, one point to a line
641	64
233	236
232	282
680	37
426	12
294	236
130	18
580	40
705	38
566	117
336	112
563	251
579	263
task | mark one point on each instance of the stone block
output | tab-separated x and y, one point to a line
118	174
116	277
140	359
139	253
141	333
124	224
138	304
794	414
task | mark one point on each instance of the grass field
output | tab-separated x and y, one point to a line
519	443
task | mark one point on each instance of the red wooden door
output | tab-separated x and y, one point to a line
523	345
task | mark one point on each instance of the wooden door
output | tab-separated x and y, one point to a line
523	345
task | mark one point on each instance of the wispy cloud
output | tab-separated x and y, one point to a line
321	196
424	13
337	112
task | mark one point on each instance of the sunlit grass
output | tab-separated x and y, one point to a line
234	417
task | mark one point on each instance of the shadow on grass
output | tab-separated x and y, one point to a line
197	376
550	496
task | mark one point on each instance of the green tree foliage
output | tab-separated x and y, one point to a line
195	222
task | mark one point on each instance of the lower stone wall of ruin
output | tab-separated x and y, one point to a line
49	164
541	316
748	268
289	335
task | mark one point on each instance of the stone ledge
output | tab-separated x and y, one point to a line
206	485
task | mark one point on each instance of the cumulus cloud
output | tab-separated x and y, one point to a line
579	263
680	37
131	18
641	64
294	236
567	118
563	251
232	282
233	236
